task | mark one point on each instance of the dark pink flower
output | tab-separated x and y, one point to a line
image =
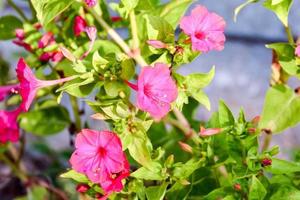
46	39
205	29
9	129
57	56
157	44
7	89
156	90
20	33
29	84
45	57
297	51
79	25
23	44
99	156
91	3
209	132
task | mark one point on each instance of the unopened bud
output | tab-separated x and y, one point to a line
209	132
157	44
237	187
82	188
266	162
185	147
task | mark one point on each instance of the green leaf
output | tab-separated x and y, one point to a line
47	10
156	192
45	121
281	109
184	170
200	81
283	167
173	11
152	172
225	115
130	4
113	88
8	25
78	177
238	9
284	51
280	8
202	98
257	190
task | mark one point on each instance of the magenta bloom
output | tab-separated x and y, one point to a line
7	89
156	90
46	39
29	84
91	3
297	51
91	31
9	129
99	156
205	29
79	25
20	33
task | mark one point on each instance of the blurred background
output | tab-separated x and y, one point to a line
242	69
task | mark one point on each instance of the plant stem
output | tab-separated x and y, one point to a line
75	109
289	35
20	174
266	143
118	39
17	9
134	32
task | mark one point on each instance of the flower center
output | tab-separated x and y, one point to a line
101	151
200	35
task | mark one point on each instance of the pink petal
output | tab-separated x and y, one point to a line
79	25
7	89
297	51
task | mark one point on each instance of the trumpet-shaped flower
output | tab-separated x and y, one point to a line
46	39
297	51
6	89
99	156
29	84
156	90
206	29
9	129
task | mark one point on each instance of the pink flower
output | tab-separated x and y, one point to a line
209	132
29	84
156	90
297	51
99	156
46	39
157	44
20	33
91	31
79	25
45	57
57	56
91	3
205	29
7	89
9	129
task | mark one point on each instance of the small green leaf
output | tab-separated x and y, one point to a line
283	167
202	98
281	109
113	88
152	172
225	115
156	192
45	121
78	177
257	190
8	25
130	4
200	81
280	8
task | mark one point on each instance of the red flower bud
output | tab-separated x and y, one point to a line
266	162
237	187
82	188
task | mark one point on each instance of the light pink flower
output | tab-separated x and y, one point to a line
29	84
7	89
79	25
99	156
91	31
9	129
91	3
156	90
20	33
46	39
157	44
297	51
205	29
209	132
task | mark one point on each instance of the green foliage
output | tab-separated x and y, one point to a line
281	8
8	25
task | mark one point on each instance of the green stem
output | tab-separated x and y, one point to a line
20	174
267	141
17	9
289	35
118	39
75	109
134	31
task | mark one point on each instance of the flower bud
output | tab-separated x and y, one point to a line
237	187
79	25
185	147
20	33
91	3
157	44
266	162
209	132
82	188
